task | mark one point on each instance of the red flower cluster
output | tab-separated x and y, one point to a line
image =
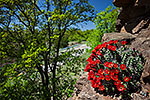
102	71
126	79
112	48
120	87
110	73
122	66
108	64
124	42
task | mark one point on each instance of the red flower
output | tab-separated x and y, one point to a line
94	78
115	65
112	72
99	53
115	41
111	42
123	66
100	71
101	87
97	61
93	63
117	82
107	71
115	77
87	68
94	85
107	78
96	48
94	69
89	77
106	64
109	47
93	55
120	87
89	59
123	42
93	51
97	74
92	82
91	72
126	79
98	81
99	47
110	65
113	48
104	44
116	71
101	77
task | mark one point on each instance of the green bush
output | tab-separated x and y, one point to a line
105	23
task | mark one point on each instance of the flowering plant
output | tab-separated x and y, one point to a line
115	70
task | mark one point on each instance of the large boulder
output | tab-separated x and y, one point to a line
123	3
134	15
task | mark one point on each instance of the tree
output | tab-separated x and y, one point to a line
105	23
76	35
29	29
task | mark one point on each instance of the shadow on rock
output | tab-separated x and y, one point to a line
146	79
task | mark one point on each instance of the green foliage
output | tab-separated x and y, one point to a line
105	23
28	86
31	35
64	41
20	86
94	38
78	35
69	73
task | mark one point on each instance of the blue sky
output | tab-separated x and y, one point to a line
99	5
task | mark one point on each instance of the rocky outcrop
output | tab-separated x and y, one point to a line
83	89
134	15
133	25
123	3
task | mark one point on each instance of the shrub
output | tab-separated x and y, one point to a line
115	70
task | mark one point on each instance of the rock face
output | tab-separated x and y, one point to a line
134	15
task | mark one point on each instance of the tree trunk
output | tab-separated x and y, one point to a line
54	68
